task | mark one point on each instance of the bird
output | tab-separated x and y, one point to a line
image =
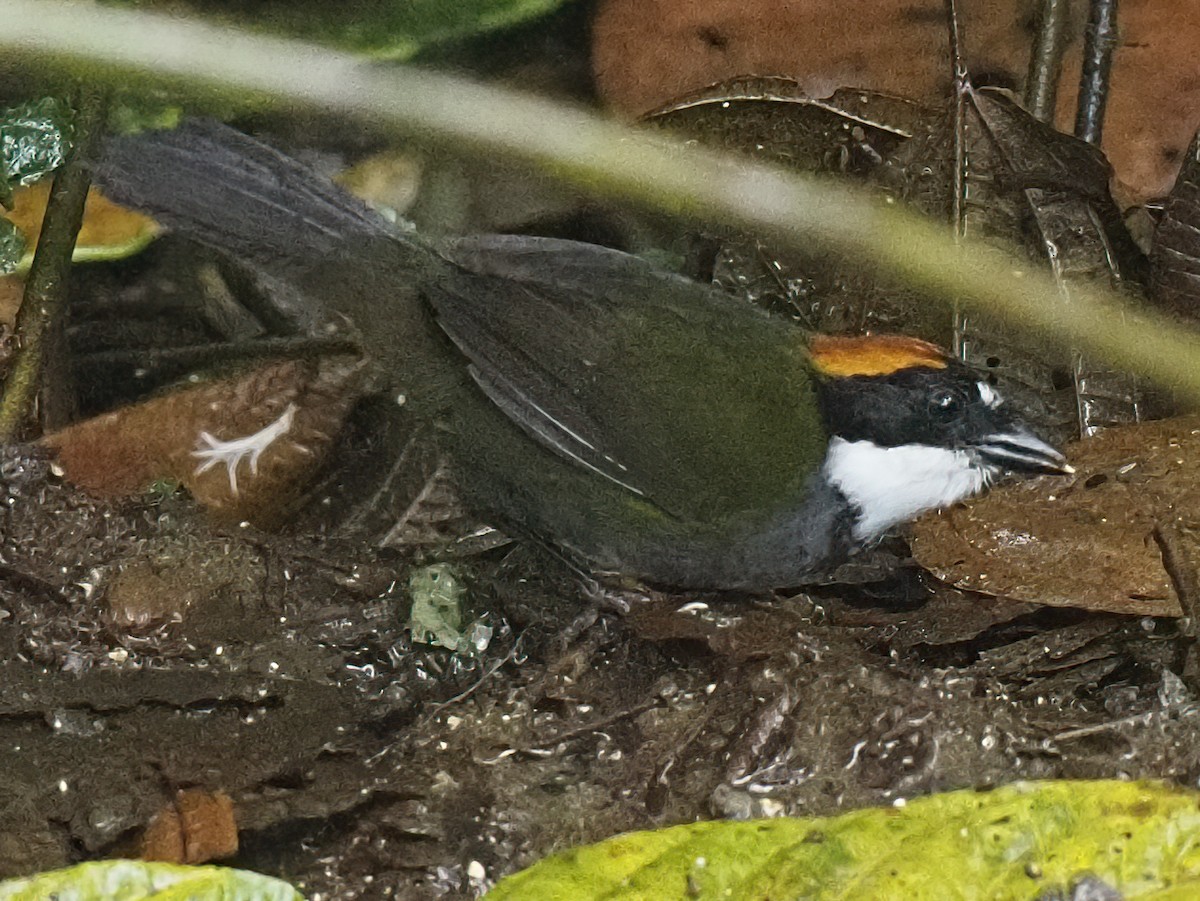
646	425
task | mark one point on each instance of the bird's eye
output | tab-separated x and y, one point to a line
946	404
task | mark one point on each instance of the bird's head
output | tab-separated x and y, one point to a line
912	429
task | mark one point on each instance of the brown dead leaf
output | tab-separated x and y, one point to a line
733	630
295	408
1088	540
12	288
647	53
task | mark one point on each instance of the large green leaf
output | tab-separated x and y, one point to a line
12	246
132	880
1016	842
392	29
34	140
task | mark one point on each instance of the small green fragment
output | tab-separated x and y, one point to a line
34	139
133	880
161	489
401	29
12	246
133	113
390	29
436	617
1015	843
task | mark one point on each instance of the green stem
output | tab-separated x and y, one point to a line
603	157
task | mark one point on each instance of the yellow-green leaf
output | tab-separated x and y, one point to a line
1016	842
393	29
132	880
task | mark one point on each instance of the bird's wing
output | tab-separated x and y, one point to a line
659	385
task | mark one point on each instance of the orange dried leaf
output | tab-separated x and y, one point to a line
109	231
198	827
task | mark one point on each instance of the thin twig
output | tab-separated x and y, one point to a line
43	307
959	183
962	90
1099	42
1045	59
1140	719
205	355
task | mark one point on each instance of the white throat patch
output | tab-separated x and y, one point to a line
892	485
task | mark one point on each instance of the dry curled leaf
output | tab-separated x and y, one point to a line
1045	195
1089	540
646	53
1175	256
849	133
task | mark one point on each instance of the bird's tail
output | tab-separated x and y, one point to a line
234	193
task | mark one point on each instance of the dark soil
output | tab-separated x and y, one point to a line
279	671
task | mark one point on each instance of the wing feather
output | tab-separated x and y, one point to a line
660	385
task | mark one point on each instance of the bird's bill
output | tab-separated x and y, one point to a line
1022	451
